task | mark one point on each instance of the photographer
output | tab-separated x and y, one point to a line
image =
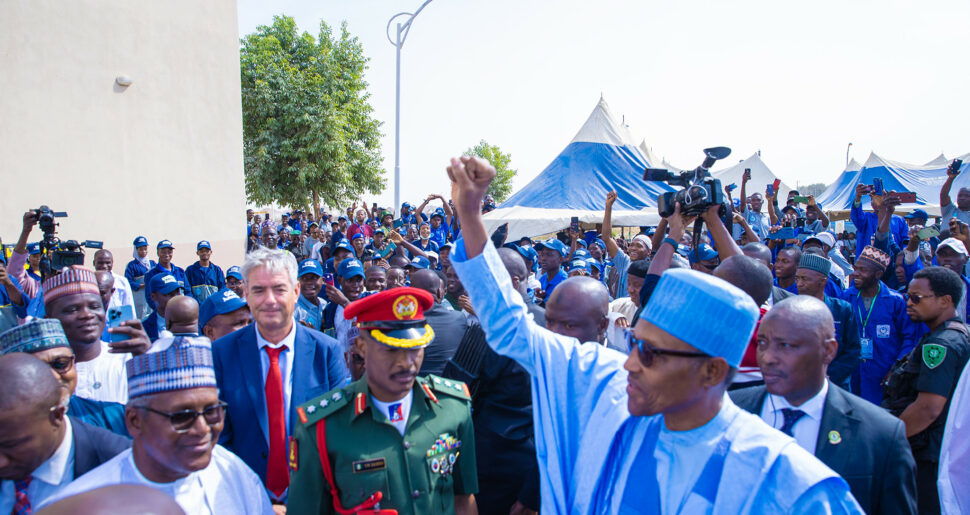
29	285
12	299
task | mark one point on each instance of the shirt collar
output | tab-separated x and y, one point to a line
812	407
287	342
56	467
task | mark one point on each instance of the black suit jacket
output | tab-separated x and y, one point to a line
449	326
94	446
871	451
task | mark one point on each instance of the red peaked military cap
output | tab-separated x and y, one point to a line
394	317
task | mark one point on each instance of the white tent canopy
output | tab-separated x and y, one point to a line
761	177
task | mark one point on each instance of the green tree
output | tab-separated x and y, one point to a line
502	185
308	133
812	189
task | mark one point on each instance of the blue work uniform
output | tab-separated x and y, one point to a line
865	227
158	269
440	235
550	284
204	280
594	457
9	312
886	334
431	246
310	314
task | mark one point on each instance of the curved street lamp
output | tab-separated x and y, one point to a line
401	34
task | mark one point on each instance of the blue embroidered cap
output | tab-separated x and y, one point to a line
343	244
553	244
310	266
234	271
164	244
350	267
140	241
577	265
420	262
164	284
681	294
221	302
34	336
33	249
186	363
203	245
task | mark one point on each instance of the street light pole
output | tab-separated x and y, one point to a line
849	146
401	35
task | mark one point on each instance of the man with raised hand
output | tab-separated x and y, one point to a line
666	438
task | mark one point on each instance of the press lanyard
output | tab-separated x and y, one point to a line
871	306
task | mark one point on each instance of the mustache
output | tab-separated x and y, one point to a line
403	374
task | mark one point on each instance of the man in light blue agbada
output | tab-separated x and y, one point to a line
653	432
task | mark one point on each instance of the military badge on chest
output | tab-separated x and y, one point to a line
443	454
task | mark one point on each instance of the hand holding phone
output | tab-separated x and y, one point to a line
328	279
927	233
777	185
954	169
877	186
746	176
800	199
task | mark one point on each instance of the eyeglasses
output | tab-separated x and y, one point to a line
916	298
62	365
183	420
647	352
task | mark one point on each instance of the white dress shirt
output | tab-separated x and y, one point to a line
286	365
226	485
104	378
805	431
47	479
121	295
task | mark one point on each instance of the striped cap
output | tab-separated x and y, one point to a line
186	363
71	281
815	263
34	336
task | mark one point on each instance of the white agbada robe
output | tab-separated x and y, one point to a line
104	378
590	449
954	480
226	485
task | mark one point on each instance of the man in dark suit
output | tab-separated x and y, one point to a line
449	325
862	443
267	369
38	439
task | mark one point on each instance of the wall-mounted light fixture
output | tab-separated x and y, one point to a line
123	81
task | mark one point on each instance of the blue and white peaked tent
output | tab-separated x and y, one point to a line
600	158
924	180
761	177
848	179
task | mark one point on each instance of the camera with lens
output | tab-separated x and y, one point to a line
699	190
57	254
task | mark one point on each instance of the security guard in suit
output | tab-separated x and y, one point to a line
389	442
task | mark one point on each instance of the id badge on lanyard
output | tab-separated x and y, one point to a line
866	344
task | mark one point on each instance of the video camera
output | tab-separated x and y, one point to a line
700	190
57	254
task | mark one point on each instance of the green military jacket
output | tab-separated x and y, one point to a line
419	473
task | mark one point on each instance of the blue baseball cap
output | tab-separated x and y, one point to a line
447	245
600	242
164	284
310	266
140	241
356	236
165	244
703	252
379	230
203	245
234	271
341	217
423	224
581	243
917	214
420	262
527	239
438	212
350	268
592	263
343	244
553	244
580	254
286	215
577	264
33	248
219	303
405	205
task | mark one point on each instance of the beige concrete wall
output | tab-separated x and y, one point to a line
161	158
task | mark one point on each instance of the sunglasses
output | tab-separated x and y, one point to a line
916	298
62	365
647	352
183	420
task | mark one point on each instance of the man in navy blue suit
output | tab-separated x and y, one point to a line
267	369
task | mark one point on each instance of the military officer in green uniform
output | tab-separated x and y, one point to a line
390	442
920	386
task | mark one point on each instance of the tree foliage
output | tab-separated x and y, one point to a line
308	133
815	189
501	187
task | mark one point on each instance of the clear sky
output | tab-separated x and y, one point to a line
798	81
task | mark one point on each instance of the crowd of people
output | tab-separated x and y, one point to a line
746	360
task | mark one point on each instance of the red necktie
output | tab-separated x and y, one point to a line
21	505
277	473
